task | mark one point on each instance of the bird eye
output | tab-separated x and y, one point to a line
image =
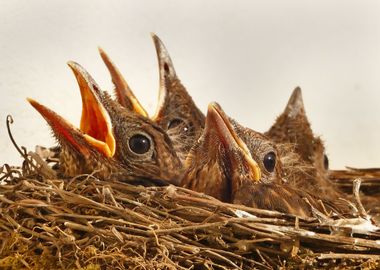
139	144
326	162
270	161
174	123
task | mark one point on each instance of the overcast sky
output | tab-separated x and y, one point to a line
247	55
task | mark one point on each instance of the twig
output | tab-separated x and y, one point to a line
351	256
356	191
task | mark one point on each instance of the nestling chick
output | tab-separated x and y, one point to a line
293	126
220	155
111	140
246	172
176	113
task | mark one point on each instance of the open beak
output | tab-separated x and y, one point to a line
166	71
123	92
62	129
218	121
95	122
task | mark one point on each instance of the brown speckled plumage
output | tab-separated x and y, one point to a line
216	158
177	113
218	165
293	126
160	162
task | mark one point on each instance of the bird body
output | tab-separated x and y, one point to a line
246	172
281	198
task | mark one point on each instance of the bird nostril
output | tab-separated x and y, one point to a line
166	67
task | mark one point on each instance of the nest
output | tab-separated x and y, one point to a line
86	223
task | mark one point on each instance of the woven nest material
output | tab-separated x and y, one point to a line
83	222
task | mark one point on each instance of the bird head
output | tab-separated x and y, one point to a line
116	134
293	126
80	153
310	172
176	113
228	156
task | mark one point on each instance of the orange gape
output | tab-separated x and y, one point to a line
95	122
112	141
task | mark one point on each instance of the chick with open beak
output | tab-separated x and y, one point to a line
132	145
176	113
238	165
77	154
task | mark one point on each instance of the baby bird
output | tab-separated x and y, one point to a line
177	113
112	141
78	153
293	126
304	167
238	165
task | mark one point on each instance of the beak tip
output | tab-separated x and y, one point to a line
160	47
72	65
297	92
100	49
214	107
32	102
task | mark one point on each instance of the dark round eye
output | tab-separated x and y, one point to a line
175	123
139	144
178	123
326	162
270	161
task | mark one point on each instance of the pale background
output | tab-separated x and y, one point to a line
248	55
